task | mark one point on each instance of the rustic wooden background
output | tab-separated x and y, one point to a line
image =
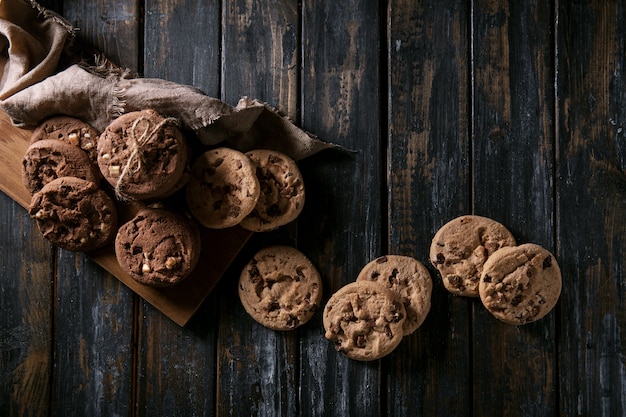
513	110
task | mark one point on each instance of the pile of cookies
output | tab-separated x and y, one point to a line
78	178
478	257
368	318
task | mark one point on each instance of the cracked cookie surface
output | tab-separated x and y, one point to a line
223	188
74	214
158	247
364	320
282	191
280	288
460	248
409	279
520	284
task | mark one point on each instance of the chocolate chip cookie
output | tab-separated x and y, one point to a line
520	284
282	191
74	214
223	188
280	288
364	320
409	279
158	247
71	130
48	159
460	248
142	155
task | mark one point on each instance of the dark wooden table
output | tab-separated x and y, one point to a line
512	110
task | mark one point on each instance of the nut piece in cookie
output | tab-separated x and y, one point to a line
48	159
158	247
282	191
280	288
222	188
409	279
460	248
520	284
364	320
74	214
71	130
142	155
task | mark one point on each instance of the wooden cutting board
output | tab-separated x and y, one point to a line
219	247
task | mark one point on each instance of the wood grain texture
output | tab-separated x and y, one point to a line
592	207
429	184
513	159
341	225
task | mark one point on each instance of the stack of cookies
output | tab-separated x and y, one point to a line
368	318
478	257
78	177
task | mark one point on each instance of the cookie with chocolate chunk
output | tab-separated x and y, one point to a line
520	284
142	155
71	130
74	214
409	279
223	188
280	288
364	320
49	159
282	191
158	247
460	248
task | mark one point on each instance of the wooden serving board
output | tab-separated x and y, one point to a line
219	247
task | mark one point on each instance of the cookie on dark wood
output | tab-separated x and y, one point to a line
49	159
142	155
280	288
460	248
520	284
74	214
158	247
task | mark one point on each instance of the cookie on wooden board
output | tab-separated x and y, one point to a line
158	247
364	320
460	248
142	155
282	191
280	288
71	130
223	188
409	279
520	284
49	159
74	214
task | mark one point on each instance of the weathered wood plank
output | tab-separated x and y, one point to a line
95	311
26	321
181	45
513	153
429	181
257	366
592	207
341	228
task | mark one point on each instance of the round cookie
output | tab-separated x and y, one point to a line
364	320
222	188
280	288
460	248
158	247
520	284
74	214
282	191
48	159
71	130
142	155
409	279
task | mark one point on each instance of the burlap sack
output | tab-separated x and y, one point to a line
33	87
